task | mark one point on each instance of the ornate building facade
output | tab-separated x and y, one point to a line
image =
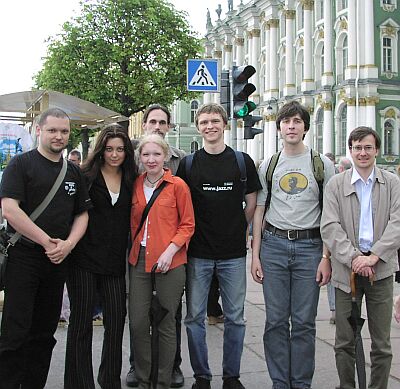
340	58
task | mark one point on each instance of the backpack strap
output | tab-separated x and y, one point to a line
319	175
188	164
268	177
243	171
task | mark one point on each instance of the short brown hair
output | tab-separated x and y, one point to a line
212	108
291	109
360	133
53	112
154	107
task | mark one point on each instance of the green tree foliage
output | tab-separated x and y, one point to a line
121	54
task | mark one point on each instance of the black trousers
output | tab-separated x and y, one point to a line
82	289
32	304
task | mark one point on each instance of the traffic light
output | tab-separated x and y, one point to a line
241	90
249	131
226	92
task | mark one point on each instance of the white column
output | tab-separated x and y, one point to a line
370	112
239	41
351	116
371	70
327	129
267	59
227	57
266	139
272	132
290	62
308	78
273	54
327	77
352	40
255	52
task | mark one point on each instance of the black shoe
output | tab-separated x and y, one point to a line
232	383
131	379
177	379
201	383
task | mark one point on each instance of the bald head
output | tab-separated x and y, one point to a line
344	164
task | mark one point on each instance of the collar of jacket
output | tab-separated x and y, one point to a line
350	189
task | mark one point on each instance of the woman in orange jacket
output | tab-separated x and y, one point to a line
162	239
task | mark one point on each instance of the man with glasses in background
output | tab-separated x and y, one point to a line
360	226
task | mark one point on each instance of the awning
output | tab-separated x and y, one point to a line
32	103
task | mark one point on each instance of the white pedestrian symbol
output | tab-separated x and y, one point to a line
202	77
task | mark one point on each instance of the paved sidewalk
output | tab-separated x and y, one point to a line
254	371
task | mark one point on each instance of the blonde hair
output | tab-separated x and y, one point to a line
154	138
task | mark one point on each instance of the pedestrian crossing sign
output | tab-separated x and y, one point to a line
202	75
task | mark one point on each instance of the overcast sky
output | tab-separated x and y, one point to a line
26	24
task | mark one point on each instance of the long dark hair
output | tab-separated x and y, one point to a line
94	162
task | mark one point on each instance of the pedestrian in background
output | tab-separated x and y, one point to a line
98	262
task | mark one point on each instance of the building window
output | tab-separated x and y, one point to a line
389	48
388	138
319	10
194	106
342	133
299	17
387	55
282	25
194	146
319	130
389	5
342	59
319	64
282	76
341	5
299	71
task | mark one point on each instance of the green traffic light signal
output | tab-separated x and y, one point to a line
248	106
241	90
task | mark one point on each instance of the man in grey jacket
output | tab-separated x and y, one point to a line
360	226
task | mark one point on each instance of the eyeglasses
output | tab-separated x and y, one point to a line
359	148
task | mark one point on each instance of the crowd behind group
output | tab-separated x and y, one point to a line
181	221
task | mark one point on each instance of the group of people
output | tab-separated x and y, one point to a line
185	218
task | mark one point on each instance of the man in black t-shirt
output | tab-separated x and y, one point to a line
36	269
219	243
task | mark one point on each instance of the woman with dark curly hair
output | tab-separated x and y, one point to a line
98	262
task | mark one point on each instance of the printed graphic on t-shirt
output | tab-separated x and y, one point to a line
226	186
293	183
70	187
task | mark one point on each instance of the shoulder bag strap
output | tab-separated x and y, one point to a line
46	201
148	206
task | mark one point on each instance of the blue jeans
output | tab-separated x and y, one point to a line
290	293
231	275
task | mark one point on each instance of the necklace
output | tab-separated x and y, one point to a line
153	183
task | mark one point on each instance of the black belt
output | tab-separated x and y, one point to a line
294	234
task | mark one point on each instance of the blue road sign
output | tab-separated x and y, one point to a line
202	75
